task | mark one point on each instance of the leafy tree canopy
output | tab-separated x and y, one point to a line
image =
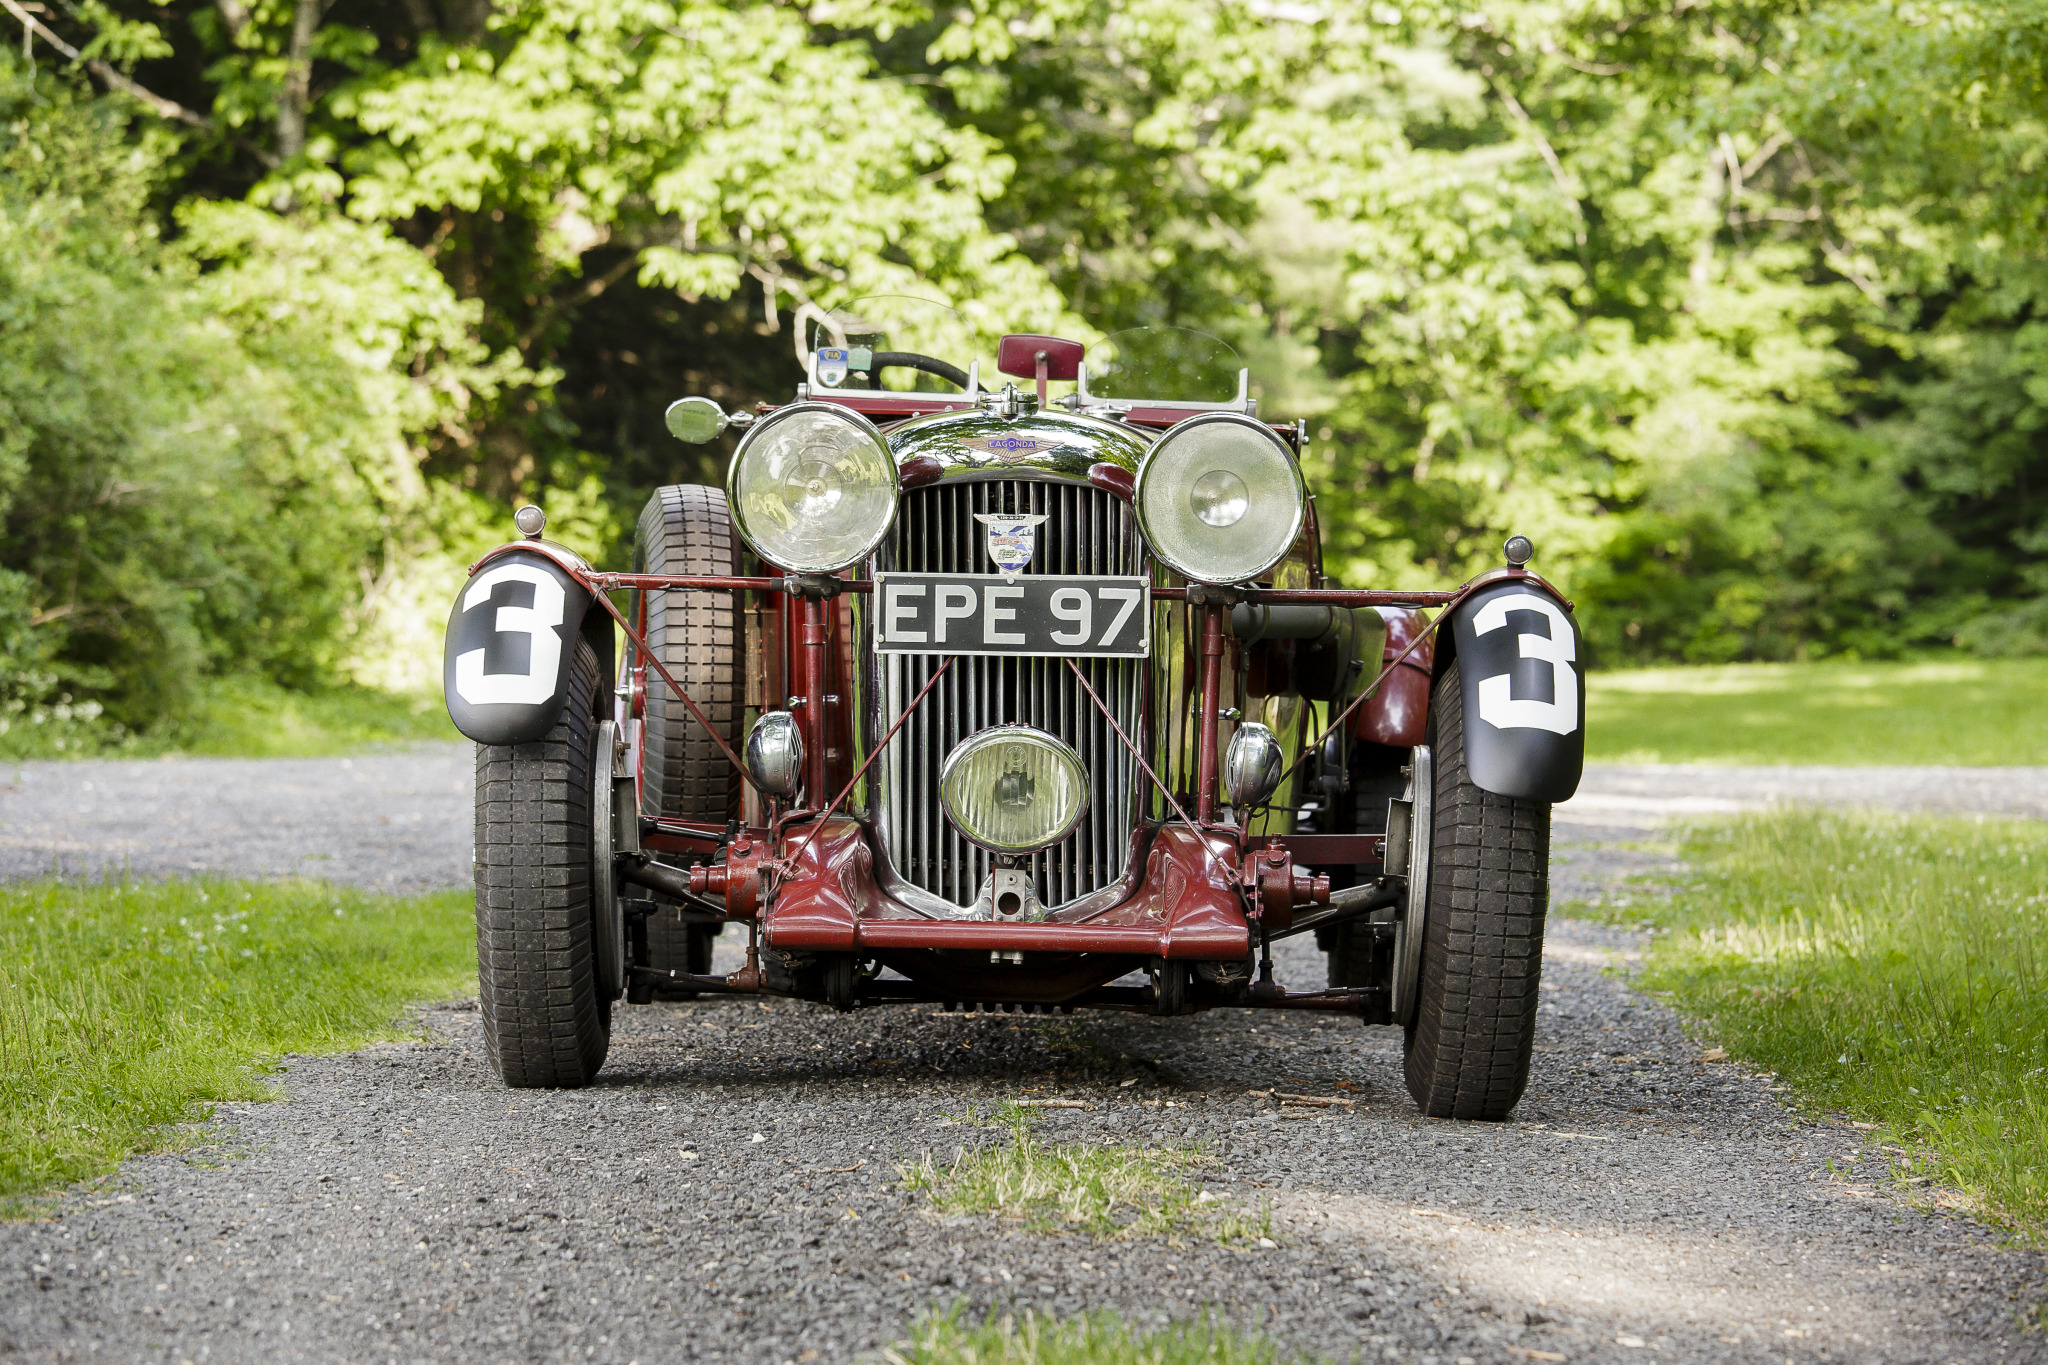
1732	306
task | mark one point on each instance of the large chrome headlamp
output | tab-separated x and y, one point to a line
1220	498
812	488
1013	789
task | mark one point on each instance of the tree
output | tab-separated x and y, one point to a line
1731	307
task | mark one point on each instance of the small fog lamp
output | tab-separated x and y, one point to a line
531	521
1251	765
1013	789
775	753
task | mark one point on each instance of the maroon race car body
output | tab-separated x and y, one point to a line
1261	757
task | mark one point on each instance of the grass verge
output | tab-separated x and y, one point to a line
1889	967
246	719
1978	712
1104	1191
126	1008
1095	1339
237	718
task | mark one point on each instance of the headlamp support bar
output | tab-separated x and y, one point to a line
915	702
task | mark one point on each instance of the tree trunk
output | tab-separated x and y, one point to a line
298	80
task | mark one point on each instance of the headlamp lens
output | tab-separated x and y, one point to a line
813	488
1013	789
1220	498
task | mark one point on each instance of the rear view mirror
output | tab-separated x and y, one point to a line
1022	353
697	420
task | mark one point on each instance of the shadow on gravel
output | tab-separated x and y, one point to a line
693	1044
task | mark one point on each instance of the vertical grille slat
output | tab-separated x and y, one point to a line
1088	531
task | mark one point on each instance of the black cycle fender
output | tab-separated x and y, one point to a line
511	637
1518	650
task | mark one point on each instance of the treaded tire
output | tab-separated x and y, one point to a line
545	1023
686	529
1482	943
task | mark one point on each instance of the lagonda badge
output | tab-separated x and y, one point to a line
1011	446
1011	539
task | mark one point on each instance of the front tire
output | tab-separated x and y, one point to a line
546	1021
1468	1045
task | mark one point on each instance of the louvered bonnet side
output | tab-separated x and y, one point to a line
1087	530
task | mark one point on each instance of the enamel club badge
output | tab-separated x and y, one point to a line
1011	539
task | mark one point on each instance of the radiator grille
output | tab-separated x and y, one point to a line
1086	531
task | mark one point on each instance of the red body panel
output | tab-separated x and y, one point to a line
1325	850
1187	905
908	405
1398	713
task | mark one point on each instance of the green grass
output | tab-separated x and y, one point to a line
243	719
1096	1339
1947	710
125	1009
237	718
1891	968
1104	1191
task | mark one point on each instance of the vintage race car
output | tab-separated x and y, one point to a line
953	694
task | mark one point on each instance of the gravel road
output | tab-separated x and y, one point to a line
728	1191
390	821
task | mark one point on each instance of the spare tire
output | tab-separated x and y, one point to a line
685	529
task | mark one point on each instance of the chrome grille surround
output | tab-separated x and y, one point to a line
924	861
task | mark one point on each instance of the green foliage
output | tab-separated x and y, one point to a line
1734	308
673	151
247	717
127	1008
158	509
1095	1339
235	716
203	443
1889	968
1950	709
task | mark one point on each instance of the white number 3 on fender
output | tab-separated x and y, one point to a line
1497	706
537	684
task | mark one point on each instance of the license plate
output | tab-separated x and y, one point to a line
1083	615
